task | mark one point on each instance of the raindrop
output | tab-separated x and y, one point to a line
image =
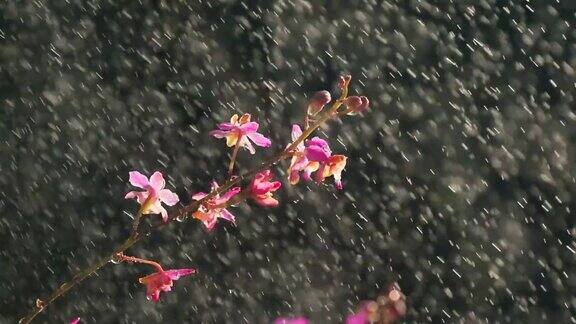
116	259
181	218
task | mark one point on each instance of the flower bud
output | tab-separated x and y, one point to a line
343	81
320	99
356	104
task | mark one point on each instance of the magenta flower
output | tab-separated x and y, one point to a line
162	281
314	156
261	189
299	162
75	321
361	317
215	207
154	194
241	131
294	320
320	159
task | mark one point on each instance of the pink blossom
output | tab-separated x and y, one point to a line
154	193
75	321
214	207
162	281
299	162
360	317
243	130
318	101
261	189
317	157
293	320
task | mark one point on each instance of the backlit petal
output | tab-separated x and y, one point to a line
259	139
248	128
168	197
157	181
137	179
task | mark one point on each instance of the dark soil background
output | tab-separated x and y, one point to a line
460	180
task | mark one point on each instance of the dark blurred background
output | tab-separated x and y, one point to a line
460	180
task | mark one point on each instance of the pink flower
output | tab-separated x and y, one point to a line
361	317
154	193
243	130
356	104
288	320
261	189
320	99
317	150
75	321
299	160
162	281
214	208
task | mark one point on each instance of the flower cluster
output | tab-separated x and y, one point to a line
310	158
315	156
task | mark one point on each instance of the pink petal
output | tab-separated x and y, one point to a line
300	163
317	141
139	180
319	175
359	318
154	295
214	186
177	273
259	139
225	126
157	181
164	214
267	201
210	223
168	197
225	214
140	196
246	143
317	153
231	193
75	321
219	133
294	177
296	132
248	128
199	195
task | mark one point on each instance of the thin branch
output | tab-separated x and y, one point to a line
234	154
136	236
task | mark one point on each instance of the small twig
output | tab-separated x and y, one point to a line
127	258
233	158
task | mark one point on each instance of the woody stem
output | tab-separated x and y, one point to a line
234	154
137	236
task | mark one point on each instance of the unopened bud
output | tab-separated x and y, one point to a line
320	99
356	104
343	81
